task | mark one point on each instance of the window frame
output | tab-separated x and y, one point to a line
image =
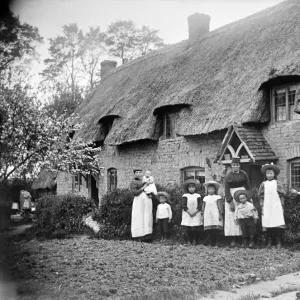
295	160
173	121
192	169
288	88
109	185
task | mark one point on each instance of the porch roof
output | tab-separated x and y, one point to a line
252	139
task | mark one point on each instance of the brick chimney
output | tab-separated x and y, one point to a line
198	26
106	66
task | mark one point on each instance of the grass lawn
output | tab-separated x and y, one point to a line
85	268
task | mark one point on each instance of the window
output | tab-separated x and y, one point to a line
283	103
193	173
295	173
112	179
168	125
78	181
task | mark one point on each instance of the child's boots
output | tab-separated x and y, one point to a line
244	243
278	240
251	245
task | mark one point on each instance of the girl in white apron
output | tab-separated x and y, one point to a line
212	209
191	213
272	197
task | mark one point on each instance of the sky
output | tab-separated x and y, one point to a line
168	16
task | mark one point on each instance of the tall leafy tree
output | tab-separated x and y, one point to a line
127	42
16	40
93	48
65	53
31	137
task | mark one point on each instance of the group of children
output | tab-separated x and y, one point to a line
209	211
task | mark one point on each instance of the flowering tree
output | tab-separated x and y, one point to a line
31	137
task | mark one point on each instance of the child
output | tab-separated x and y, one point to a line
272	197
151	188
212	209
163	214
247	216
191	213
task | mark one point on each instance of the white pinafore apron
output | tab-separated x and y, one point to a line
141	217
211	212
273	212
192	205
231	227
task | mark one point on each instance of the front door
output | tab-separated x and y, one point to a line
94	191
254	173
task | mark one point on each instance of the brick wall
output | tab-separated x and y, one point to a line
165	159
284	138
65	184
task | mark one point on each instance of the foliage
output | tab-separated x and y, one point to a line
115	212
292	219
16	40
73	67
31	137
59	215
127	42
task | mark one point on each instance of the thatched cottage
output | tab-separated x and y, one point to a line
183	111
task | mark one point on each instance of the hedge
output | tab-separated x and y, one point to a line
60	215
115	215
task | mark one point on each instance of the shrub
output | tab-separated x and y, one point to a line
292	219
59	215
115	213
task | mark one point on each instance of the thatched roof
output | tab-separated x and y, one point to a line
45	180
219	76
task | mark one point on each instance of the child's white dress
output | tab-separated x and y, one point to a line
272	207
211	213
151	188
192	205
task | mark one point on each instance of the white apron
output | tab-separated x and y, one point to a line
211	212
272	211
192	205
232	227
141	217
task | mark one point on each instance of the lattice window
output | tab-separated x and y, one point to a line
280	105
169	125
284	103
112	179
295	174
193	173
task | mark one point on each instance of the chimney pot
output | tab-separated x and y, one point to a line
198	26
106	66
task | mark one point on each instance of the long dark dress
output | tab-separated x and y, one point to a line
233	182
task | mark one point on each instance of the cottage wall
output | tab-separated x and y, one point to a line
284	138
165	158
65	185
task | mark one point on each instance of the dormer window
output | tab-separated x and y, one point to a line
168	125
105	126
283	103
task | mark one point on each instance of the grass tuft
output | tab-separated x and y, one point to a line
284	289
249	296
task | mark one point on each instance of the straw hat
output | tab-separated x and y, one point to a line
214	183
242	192
165	194
271	166
195	182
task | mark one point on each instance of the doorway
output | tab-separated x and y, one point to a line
254	173
94	191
